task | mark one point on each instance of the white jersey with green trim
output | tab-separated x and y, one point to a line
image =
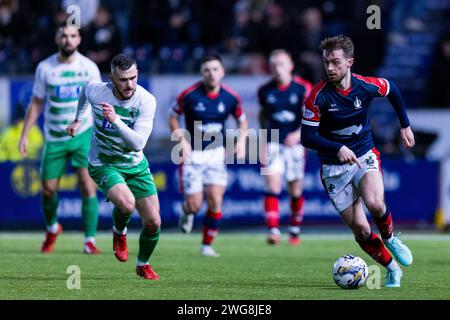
119	143
60	84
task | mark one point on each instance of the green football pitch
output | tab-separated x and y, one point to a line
248	269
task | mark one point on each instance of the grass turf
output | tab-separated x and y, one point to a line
247	269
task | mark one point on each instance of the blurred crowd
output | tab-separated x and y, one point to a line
170	36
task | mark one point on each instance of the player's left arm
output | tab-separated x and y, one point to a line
241	119
294	137
137	137
396	99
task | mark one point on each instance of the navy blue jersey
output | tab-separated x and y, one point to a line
341	116
206	113
283	105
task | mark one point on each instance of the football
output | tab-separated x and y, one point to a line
350	272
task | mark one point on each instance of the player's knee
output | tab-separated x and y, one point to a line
152	225
48	191
126	205
375	205
193	206
87	188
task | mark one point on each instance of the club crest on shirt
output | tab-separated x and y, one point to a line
357	103
221	107
293	99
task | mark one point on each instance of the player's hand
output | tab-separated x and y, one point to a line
263	154
407	137
108	112
73	128
292	138
186	150
346	155
23	146
239	149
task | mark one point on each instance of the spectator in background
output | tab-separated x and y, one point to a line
240	43
44	38
240	37
214	19
102	39
88	9
9	140
148	22
179	28
14	31
121	12
338	15
305	43
439	80
274	33
370	56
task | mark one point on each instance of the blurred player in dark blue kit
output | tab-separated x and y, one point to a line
336	124
206	105
281	101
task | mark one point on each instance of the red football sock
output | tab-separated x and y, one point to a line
385	225
211	226
297	211
375	248
271	208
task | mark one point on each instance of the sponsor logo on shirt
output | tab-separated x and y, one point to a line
308	114
333	108
284	116
200	107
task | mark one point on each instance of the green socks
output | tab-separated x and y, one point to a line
147	243
120	220
50	205
89	211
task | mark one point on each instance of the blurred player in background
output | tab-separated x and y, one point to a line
206	106
281	101
57	84
336	124
123	120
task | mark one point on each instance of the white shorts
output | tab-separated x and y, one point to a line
204	168
341	180
288	161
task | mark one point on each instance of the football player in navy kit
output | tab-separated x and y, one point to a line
336	124
206	106
281	103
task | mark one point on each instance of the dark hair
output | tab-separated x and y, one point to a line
338	42
122	61
211	57
64	25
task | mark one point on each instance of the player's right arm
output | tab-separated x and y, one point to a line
83	104
34	109
33	112
262	116
174	124
310	137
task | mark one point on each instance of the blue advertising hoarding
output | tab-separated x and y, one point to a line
411	190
